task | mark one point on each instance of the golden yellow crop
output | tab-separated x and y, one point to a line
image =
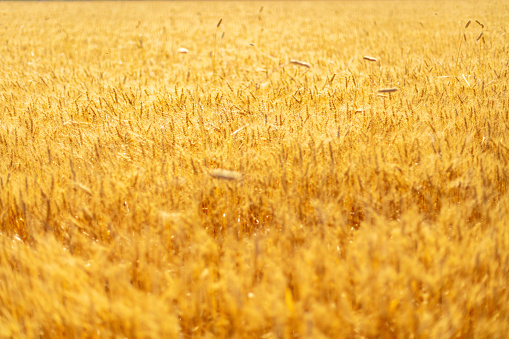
254	170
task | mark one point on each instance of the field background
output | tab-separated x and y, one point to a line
349	213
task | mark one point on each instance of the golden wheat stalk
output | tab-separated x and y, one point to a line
300	63
225	174
368	58
387	90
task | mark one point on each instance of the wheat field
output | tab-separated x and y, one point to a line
254	170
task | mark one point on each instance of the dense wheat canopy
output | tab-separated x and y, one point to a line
254	170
